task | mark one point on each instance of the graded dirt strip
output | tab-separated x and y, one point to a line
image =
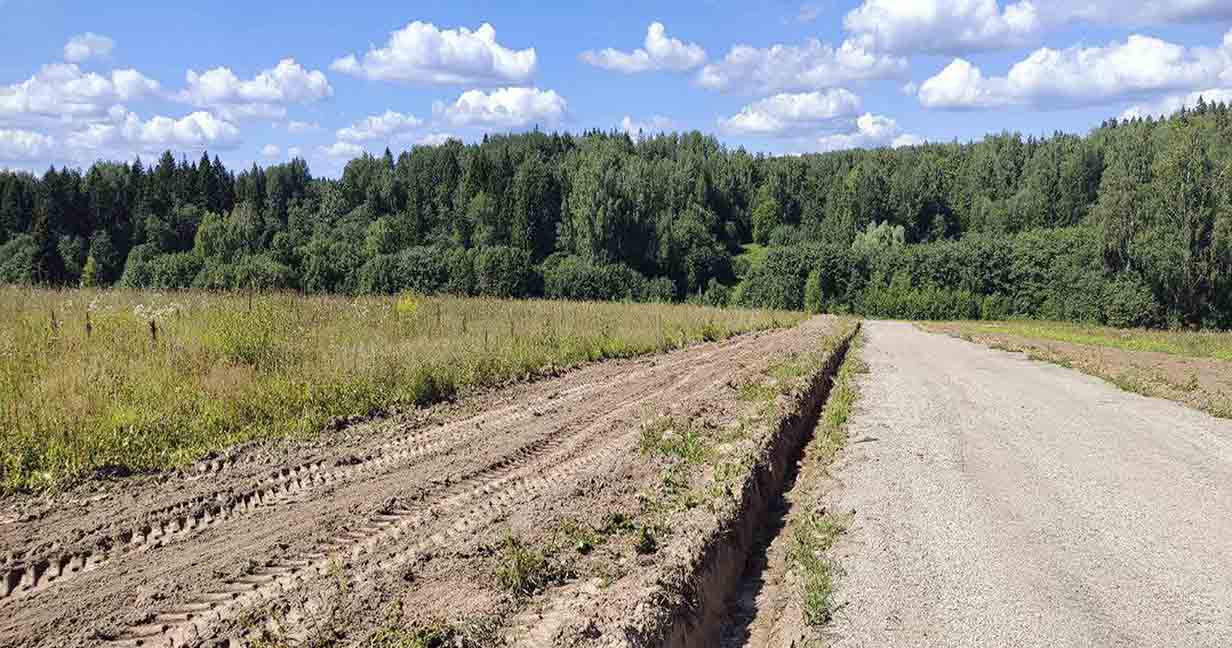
1004	502
185	562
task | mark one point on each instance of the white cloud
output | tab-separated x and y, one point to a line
199	130
1170	104
423	53
23	145
660	52
435	139
342	150
504	107
1141	12
965	26
86	46
300	127
808	67
1082	75
294	152
785	114
942	26
870	131
638	129
271	151
379	127
265	96
62	93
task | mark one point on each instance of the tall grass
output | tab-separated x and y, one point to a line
142	381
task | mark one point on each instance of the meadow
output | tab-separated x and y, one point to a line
133	381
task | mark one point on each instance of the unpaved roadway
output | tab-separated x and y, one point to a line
1004	502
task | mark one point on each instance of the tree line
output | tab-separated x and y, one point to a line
1128	225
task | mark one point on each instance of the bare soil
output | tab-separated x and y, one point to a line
409	521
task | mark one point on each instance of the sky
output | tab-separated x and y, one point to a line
267	81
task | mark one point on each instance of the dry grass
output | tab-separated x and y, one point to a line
1194	344
144	381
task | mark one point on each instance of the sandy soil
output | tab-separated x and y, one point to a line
386	524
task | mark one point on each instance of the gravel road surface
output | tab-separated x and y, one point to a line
1004	502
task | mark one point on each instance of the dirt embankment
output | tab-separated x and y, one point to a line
580	509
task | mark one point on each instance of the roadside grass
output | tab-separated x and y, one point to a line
814	531
1193	375
1194	344
812	538
132	381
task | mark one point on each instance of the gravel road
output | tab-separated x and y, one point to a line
1004	502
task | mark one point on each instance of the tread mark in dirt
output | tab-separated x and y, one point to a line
478	498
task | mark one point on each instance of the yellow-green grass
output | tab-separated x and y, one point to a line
86	381
1195	344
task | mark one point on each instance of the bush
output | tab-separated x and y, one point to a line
502	271
659	290
814	299
716	295
575	278
1128	302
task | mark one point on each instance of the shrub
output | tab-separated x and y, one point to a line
1128	302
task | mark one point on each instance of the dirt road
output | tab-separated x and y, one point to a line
378	525
1004	502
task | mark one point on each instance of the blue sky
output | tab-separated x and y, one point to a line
267	80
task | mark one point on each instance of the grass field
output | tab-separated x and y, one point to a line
1193	344
142	381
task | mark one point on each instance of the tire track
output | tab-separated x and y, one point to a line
23	575
541	466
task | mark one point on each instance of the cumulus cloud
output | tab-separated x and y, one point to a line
870	131
659	52
810	66
62	93
271	151
423	53
785	114
24	145
383	126
1144	12
293	152
83	47
504	107
960	27
1170	104
265	96
942	26
196	131
638	129
342	150
1082	75
435	139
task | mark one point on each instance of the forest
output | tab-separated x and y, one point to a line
1127	226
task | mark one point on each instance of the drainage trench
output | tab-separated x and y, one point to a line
720	574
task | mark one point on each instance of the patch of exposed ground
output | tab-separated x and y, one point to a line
786	595
564	509
1202	383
